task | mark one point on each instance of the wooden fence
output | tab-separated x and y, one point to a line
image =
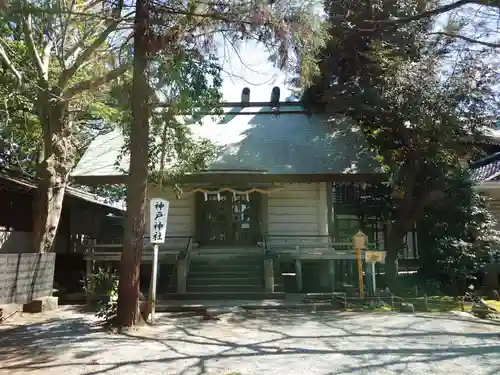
25	277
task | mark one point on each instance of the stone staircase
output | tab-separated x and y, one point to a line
227	273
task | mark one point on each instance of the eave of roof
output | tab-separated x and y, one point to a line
29	184
486	169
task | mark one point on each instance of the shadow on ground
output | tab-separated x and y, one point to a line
331	343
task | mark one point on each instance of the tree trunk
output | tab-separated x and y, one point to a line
48	208
53	171
395	242
128	289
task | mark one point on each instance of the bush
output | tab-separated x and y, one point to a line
457	234
102	287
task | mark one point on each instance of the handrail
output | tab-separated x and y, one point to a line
297	235
116	244
266	249
182	269
295	244
184	253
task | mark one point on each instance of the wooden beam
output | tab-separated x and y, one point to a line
230	178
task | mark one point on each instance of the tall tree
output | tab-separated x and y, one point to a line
55	56
128	288
170	28
413	111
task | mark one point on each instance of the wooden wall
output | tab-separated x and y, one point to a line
24	277
298	209
181	214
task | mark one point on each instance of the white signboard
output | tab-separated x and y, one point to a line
158	220
375	256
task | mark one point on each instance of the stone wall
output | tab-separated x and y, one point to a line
25	277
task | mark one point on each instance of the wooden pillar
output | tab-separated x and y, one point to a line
264	214
331	273
298	274
88	274
368	278
89	267
181	276
330	208
269	275
322	209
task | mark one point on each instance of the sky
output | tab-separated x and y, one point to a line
249	67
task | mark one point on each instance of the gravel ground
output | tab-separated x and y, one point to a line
281	343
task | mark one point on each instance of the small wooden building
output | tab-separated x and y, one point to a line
29	275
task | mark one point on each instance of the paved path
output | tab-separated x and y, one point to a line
263	343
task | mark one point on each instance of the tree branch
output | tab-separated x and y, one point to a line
467	39
46	57
90	84
28	36
6	60
67	74
436	11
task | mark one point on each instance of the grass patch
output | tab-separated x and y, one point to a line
494	304
436	303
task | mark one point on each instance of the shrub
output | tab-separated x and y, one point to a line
102	287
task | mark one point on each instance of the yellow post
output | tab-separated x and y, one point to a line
359	241
360	273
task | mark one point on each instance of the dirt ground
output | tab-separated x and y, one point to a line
72	342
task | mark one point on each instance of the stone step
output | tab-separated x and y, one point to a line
224	288
206	281
225	273
214	296
218	254
228	250
235	260
197	267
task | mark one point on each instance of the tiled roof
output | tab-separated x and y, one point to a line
486	169
255	138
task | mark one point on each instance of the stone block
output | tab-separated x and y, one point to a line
41	305
407	307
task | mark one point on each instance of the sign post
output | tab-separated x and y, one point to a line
158	228
373	257
359	241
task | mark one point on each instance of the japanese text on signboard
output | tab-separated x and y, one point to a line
158	224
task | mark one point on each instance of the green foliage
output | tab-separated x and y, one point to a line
103	291
187	88
58	50
397	86
459	232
